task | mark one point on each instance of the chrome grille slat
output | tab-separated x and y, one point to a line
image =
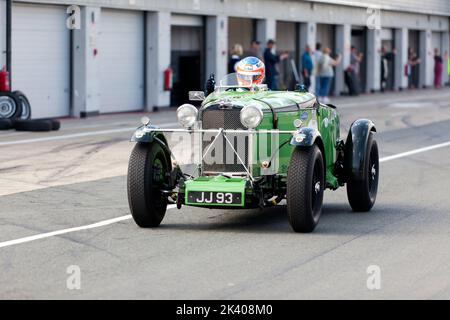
226	119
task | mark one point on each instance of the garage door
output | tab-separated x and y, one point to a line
437	42
121	53
186	61
41	58
240	31
325	36
287	41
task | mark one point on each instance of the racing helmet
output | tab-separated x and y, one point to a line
250	71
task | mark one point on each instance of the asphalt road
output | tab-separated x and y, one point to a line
75	178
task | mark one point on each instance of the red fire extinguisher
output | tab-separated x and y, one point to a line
4	80
168	79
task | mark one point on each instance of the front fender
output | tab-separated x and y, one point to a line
305	137
143	136
355	148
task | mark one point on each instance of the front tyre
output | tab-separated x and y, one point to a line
363	193
305	187
147	176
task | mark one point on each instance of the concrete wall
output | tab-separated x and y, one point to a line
279	10
265	15
2	33
86	87
216	46
431	7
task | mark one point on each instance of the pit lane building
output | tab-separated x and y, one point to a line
115	61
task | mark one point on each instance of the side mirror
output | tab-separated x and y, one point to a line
196	96
210	85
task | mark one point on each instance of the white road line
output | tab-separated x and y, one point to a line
64	231
386	101
127	217
77	135
416	151
70	230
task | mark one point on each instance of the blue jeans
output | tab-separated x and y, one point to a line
325	83
317	89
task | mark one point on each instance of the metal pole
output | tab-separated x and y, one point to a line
8	38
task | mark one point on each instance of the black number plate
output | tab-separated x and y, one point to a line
214	198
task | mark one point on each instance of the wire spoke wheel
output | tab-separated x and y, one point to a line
317	189
373	173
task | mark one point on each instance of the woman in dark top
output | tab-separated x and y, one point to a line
236	56
438	68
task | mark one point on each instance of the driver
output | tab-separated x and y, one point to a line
250	71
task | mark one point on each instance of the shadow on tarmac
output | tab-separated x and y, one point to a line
337	218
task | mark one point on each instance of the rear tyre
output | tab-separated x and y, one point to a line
363	193
10	107
147	176
5	124
25	104
305	187
33	125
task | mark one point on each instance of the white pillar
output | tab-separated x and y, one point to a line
2	33
343	39
158	58
307	35
373	73
86	89
216	46
266	29
426	59
445	52
401	58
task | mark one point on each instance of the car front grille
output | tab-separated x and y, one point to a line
227	162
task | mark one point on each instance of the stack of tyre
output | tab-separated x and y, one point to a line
15	113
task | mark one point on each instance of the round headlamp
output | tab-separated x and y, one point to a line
187	115
251	116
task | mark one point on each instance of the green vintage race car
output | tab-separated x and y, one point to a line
247	147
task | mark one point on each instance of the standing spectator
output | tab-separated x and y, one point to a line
386	58
447	58
307	67
317	58
412	69
438	68
353	78
327	73
255	49
408	68
271	59
236	56
355	61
